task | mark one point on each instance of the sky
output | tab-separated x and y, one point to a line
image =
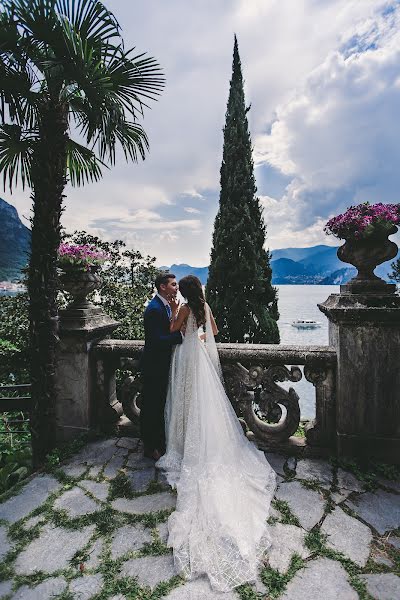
323	81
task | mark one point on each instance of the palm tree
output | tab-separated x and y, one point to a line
64	73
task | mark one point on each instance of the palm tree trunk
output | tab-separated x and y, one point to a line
49	179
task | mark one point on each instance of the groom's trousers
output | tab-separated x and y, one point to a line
152	411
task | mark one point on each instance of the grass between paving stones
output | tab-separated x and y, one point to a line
315	541
120	487
368	471
288	518
276	582
246	592
65	451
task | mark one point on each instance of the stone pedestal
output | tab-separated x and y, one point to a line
80	328
364	328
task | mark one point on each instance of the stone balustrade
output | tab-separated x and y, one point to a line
269	413
356	378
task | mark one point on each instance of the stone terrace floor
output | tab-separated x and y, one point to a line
95	528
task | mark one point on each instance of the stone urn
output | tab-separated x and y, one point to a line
366	254
80	283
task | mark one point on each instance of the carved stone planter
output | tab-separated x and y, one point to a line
80	284
366	254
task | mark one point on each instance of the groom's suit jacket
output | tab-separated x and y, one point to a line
159	341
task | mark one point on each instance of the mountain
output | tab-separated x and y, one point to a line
299	254
15	240
315	265
183	270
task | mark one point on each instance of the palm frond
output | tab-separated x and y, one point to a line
16	150
91	20
82	164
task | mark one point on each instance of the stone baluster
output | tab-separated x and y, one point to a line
78	409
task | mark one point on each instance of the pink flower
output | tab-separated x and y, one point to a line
362	220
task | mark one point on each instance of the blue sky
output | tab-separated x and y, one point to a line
323	79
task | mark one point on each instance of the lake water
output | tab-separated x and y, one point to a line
300	302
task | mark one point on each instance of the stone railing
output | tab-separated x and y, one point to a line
269	413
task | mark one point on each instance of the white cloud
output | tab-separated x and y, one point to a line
331	106
191	210
338	136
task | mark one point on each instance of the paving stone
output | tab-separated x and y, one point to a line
392	484
382	560
348	481
52	549
76	503
99	490
30	497
138	461
95	470
321	578
274	514
260	587
140	479
382	586
44	591
129	538
33	521
291	463
129	443
94	554
162	530
162	480
340	496
380	509
96	453
150	570
348	536
394	541
145	504
74	470
199	589
276	461
121	452
307	505
5	588
86	587
313	468
5	544
111	469
286	540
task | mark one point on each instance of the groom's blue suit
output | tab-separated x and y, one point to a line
155	365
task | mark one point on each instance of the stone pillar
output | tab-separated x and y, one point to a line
80	328
364	328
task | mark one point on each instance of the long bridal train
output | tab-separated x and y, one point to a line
224	483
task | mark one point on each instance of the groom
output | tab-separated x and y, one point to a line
155	363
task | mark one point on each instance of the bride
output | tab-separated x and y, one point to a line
224	484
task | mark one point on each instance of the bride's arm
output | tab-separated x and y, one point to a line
176	324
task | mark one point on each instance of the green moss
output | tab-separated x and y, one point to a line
315	541
288	518
276	582
246	592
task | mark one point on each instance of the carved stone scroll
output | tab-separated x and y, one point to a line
271	413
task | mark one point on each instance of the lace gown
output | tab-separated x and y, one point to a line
224	483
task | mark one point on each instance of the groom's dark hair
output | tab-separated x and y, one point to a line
162	279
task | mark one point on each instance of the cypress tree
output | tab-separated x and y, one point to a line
239	288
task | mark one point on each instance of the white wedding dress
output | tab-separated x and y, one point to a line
224	483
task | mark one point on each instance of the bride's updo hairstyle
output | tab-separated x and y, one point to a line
191	289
